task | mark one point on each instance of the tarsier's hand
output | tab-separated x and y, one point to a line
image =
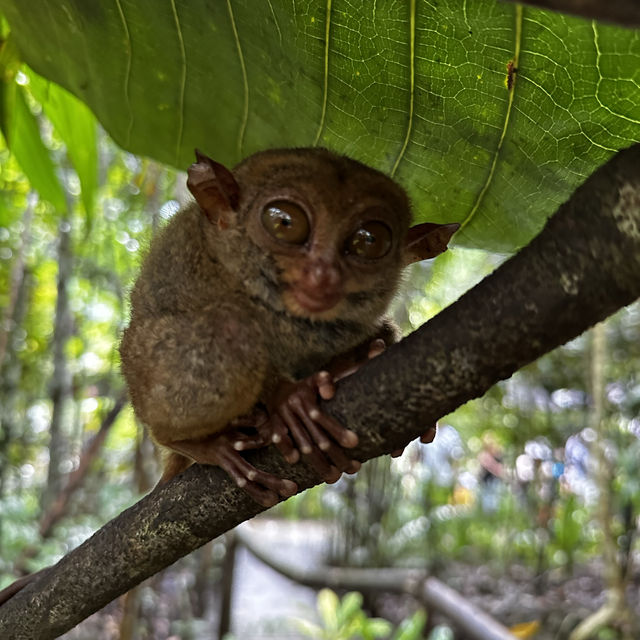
298	426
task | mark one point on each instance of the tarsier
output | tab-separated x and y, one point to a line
256	298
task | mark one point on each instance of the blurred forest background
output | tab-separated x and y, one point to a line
527	503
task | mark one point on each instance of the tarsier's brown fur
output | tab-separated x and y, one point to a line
232	327
221	314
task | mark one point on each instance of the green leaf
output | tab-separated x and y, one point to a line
22	136
412	628
328	604
378	628
415	88
350	605
308	629
76	126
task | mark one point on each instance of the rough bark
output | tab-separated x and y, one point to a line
623	12
583	266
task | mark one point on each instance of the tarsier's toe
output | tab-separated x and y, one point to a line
288	489
264	497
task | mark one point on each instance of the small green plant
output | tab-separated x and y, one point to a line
345	620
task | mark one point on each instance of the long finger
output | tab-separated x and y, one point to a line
298	433
227	462
429	435
280	485
324	386
333	476
376	348
242	442
340	460
302	410
320	464
285	444
243	474
339	433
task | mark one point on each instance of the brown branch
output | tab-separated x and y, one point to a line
583	266
626	13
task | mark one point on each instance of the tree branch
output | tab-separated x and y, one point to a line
626	13
583	266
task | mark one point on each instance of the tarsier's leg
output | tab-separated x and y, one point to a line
223	450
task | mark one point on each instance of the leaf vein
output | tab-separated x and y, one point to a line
505	125
412	80
183	81
600	78
127	73
325	89
245	81
275	20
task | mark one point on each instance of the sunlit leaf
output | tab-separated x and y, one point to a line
350	605
76	126
416	88
22	134
525	629
328	604
412	628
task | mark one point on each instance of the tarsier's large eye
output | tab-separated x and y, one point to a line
286	221
372	240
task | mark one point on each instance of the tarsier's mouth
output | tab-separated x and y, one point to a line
304	304
316	304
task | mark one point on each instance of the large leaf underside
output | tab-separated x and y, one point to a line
420	89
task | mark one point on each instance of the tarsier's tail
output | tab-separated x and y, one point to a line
174	463
8	592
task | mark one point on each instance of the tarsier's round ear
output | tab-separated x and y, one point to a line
214	188
427	240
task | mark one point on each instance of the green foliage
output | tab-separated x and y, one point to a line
344	619
106	255
21	132
77	128
414	88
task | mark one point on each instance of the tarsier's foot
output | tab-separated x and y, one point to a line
426	438
223	450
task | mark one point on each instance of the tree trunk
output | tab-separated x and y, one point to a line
10	373
615	611
60	388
